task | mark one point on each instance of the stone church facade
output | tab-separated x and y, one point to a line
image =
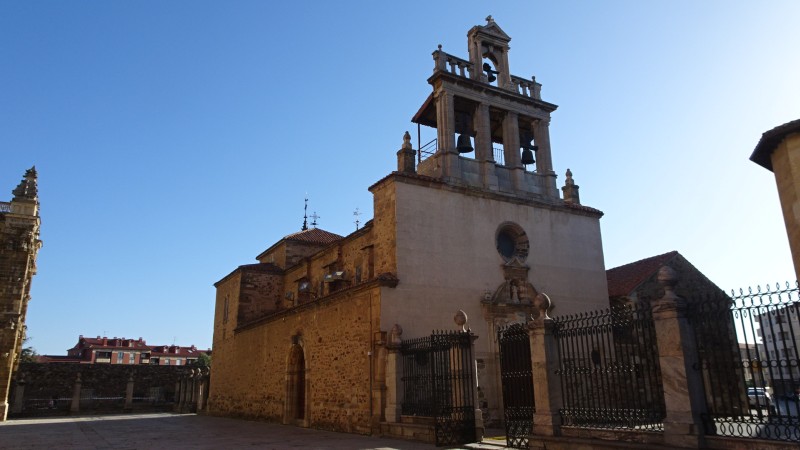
304	336
19	245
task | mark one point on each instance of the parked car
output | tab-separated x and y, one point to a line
759	397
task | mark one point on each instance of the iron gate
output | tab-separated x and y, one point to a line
516	376
439	382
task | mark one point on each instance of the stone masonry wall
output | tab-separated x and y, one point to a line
250	367
260	294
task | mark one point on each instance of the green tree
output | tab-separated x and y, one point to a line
28	353
203	360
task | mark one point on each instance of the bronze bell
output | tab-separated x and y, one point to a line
527	155
464	144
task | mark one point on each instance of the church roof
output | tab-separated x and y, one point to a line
313	236
625	279
762	155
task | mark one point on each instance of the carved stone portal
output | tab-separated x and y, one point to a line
516	289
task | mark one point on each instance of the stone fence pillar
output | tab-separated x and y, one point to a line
677	351
394	384
76	396
129	394
177	397
544	363
19	396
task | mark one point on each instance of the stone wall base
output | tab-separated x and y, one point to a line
732	443
410	428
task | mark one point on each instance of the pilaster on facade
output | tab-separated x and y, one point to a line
19	234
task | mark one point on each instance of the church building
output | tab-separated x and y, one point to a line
472	225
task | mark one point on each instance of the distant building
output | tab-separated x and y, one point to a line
19	245
104	350
778	331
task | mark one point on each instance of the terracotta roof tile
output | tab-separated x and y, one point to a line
314	236
625	279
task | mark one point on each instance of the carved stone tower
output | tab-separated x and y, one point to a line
479	99
19	245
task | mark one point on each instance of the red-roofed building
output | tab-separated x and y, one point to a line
104	350
638	280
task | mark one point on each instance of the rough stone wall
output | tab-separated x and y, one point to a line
352	255
260	294
384	227
225	312
250	368
47	381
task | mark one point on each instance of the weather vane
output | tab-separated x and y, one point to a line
357	213
305	214
314	218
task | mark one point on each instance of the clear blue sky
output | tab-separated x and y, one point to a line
176	140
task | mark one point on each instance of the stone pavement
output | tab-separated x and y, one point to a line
187	431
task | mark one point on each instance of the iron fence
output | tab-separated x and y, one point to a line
439	382
610	375
516	375
748	351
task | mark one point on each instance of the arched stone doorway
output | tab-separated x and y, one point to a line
296	388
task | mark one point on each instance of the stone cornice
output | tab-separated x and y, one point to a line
425	181
382	280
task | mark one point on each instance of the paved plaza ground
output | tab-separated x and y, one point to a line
187	431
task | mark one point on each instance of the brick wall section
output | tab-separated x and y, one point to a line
250	366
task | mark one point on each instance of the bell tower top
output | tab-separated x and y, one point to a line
488	49
479	101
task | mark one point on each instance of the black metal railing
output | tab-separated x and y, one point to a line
610	374
748	345
5	207
427	150
516	375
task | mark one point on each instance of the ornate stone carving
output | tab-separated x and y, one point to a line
461	320
542	304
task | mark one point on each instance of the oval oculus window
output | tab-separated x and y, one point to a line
512	242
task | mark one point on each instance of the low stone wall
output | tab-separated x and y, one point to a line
41	389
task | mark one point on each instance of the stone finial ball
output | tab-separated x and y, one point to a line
667	276
460	318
